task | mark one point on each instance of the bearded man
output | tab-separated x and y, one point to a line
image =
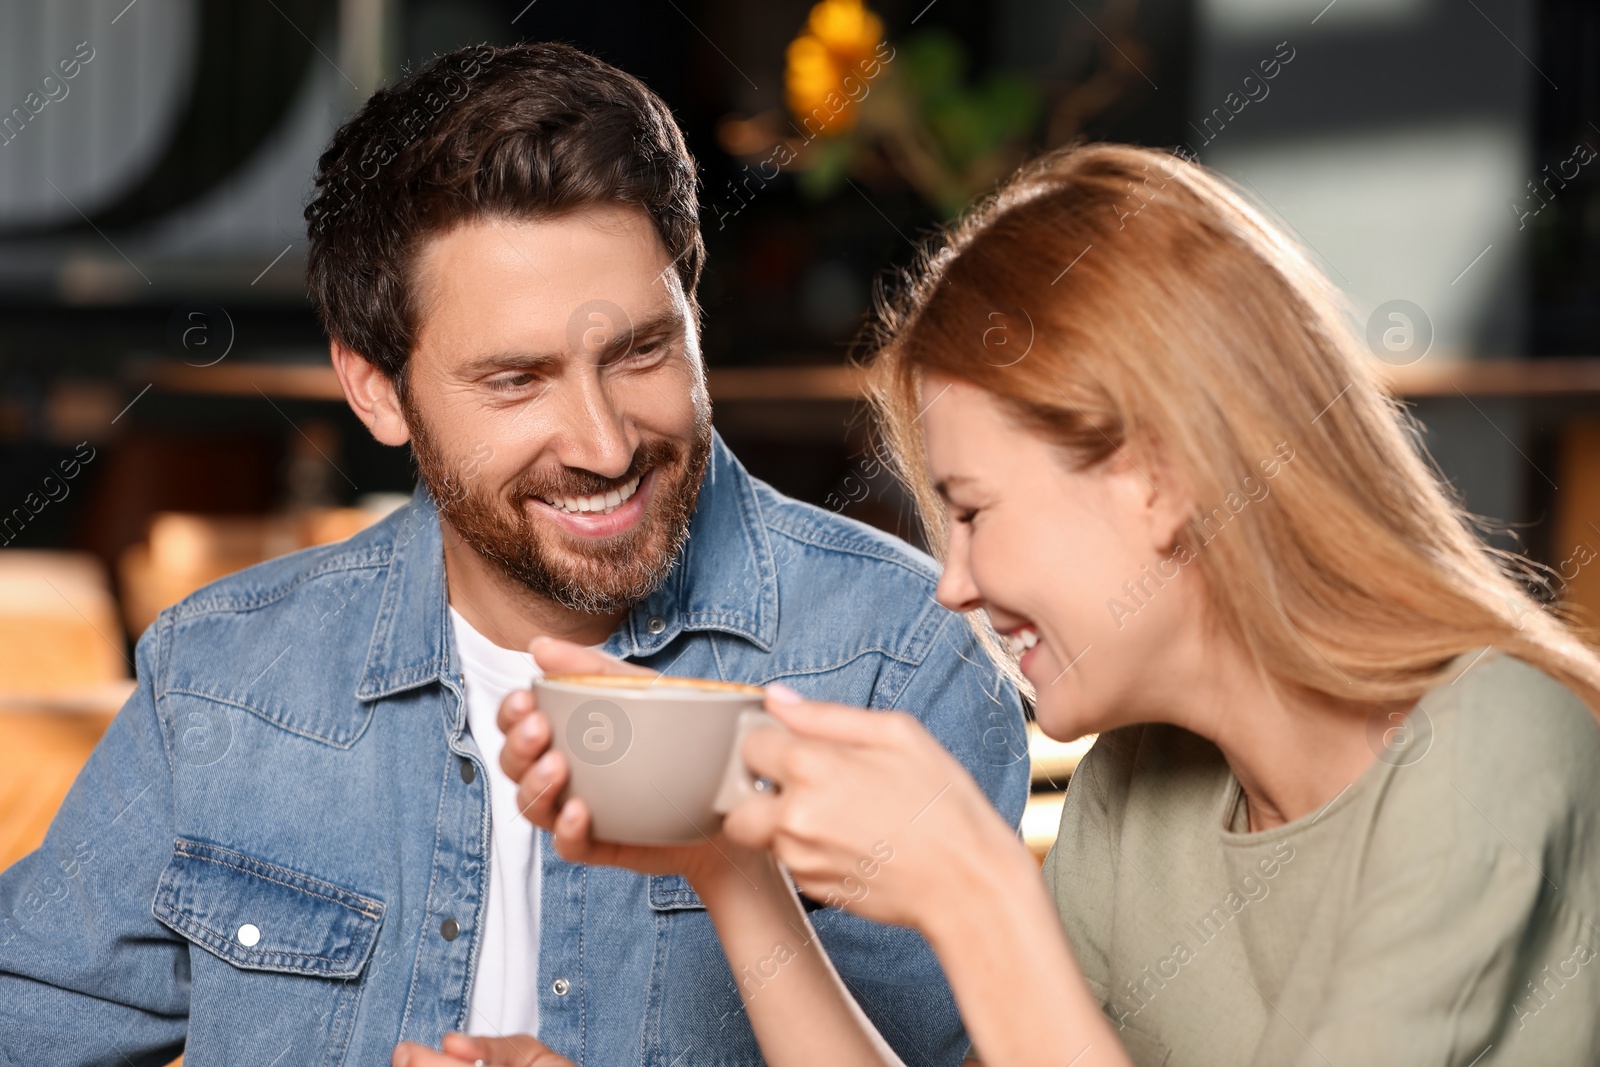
295	844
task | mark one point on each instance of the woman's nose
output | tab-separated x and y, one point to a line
956	590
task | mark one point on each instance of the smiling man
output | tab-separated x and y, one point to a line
295	844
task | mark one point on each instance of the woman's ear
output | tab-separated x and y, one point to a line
371	395
1171	506
1164	504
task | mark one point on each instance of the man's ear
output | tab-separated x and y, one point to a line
371	395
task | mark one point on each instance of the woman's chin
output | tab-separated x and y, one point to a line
1060	720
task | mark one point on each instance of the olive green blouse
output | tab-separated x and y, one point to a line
1443	909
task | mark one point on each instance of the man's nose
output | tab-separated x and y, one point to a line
596	434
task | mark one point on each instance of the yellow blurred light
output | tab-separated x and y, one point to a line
845	26
839	35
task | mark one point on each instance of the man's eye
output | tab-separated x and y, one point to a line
644	351
511	383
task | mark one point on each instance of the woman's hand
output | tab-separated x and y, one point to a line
871	813
542	773
519	1051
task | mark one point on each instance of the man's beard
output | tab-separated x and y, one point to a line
596	577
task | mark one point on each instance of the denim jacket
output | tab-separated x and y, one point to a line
277	855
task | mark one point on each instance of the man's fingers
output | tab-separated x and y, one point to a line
555	656
571	834
514	708
539	789
410	1054
525	743
467	1049
518	1050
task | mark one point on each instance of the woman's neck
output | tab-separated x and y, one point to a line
1293	753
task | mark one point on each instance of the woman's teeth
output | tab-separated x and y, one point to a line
599	504
1022	640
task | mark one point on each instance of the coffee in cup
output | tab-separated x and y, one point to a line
656	758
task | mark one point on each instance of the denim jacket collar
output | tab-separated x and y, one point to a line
726	580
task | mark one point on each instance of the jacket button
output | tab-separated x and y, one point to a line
249	934
449	929
560	987
655	624
468	771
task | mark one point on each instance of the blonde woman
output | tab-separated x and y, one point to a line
1344	805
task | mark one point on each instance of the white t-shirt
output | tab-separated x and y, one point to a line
505	993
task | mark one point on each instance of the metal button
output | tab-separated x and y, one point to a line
655	624
468	771
249	934
560	987
449	929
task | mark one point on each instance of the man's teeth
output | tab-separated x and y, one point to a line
600	503
1022	640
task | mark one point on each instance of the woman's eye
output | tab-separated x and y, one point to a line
965	515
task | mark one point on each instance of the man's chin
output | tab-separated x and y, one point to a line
595	575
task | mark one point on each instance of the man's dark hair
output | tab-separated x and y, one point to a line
526	132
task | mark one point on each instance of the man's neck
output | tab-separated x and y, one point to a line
507	612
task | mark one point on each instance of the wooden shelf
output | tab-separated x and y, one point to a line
311	381
281	381
844	384
1498	377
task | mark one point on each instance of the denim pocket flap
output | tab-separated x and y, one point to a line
262	917
670	892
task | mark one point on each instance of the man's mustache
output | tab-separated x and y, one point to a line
572	481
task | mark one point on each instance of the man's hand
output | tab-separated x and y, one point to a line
528	759
518	1051
542	774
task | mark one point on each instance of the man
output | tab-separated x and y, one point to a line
295	844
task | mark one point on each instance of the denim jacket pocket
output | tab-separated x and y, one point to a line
670	892
262	917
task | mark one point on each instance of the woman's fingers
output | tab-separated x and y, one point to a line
555	656
753	823
822	720
766	753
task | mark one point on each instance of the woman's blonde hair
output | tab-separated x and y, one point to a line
1111	295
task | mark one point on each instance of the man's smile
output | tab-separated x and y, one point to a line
602	503
603	514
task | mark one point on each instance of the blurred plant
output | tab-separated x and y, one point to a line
949	140
860	108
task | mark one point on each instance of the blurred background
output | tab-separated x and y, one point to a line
167	413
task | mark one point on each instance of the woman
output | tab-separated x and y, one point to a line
1343	801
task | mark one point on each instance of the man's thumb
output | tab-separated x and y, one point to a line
555	656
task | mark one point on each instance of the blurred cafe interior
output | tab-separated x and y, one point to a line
168	413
